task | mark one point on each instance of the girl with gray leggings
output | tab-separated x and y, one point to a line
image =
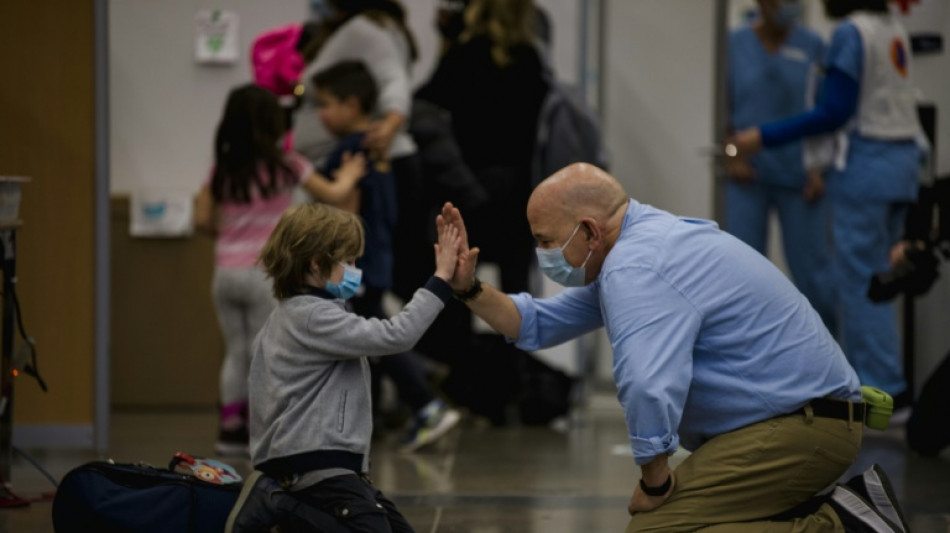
249	188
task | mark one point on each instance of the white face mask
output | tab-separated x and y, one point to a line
555	265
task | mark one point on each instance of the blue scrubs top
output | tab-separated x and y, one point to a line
876	169
764	87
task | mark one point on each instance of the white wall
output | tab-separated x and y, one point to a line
659	110
659	101
163	106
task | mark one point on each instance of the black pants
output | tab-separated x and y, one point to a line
356	505
412	243
500	228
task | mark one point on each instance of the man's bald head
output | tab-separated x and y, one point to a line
578	190
580	210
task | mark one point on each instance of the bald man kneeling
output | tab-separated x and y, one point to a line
714	350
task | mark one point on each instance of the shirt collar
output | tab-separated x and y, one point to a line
318	292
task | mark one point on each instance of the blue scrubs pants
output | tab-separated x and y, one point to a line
864	232
806	236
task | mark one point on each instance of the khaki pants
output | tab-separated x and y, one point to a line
735	480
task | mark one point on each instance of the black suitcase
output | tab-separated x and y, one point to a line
105	497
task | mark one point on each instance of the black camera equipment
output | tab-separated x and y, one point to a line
928	237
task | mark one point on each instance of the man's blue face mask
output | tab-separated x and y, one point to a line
555	265
346	289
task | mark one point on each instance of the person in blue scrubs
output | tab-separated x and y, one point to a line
873	182
772	64
713	349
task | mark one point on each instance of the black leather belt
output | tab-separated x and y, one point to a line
831	408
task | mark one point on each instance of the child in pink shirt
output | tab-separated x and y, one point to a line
249	188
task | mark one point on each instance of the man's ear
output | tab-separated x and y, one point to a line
592	230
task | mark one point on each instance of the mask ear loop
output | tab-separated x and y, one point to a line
584	264
589	252
569	239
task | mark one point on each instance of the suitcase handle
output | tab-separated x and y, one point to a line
178	458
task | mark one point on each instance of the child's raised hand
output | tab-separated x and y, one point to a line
353	167
447	251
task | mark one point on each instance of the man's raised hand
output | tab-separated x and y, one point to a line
467	258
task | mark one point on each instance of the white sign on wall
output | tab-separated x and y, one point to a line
216	36
161	215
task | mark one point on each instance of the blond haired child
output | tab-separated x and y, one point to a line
310	406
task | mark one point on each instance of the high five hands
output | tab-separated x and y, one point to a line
464	275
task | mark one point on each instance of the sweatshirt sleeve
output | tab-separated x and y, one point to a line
361	39
837	103
346	335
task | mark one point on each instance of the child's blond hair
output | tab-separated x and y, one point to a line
309	232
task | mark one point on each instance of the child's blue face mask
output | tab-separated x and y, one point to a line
346	289
556	267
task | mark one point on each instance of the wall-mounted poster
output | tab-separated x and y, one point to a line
216	37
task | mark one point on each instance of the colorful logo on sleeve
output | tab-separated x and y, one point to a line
899	56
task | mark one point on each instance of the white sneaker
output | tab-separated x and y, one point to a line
433	421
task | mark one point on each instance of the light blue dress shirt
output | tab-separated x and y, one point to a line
707	335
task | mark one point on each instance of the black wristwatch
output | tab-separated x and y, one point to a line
657	491
471	293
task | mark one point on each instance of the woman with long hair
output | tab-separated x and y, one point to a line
492	83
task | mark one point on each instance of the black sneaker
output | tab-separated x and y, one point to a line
874	486
857	515
252	512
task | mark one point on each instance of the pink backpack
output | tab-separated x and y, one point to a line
275	60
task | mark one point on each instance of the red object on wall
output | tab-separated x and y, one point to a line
905	4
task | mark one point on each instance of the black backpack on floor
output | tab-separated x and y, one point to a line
928	429
105	497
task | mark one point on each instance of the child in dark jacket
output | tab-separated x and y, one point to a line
346	96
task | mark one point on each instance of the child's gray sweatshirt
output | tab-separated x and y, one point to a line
309	382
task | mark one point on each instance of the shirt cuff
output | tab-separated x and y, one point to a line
528	334
439	287
644	450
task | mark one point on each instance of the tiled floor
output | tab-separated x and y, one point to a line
487	480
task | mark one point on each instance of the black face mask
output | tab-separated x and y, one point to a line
837	9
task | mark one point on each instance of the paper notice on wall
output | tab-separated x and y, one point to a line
216	37
161	216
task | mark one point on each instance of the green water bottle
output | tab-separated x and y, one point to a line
879	406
